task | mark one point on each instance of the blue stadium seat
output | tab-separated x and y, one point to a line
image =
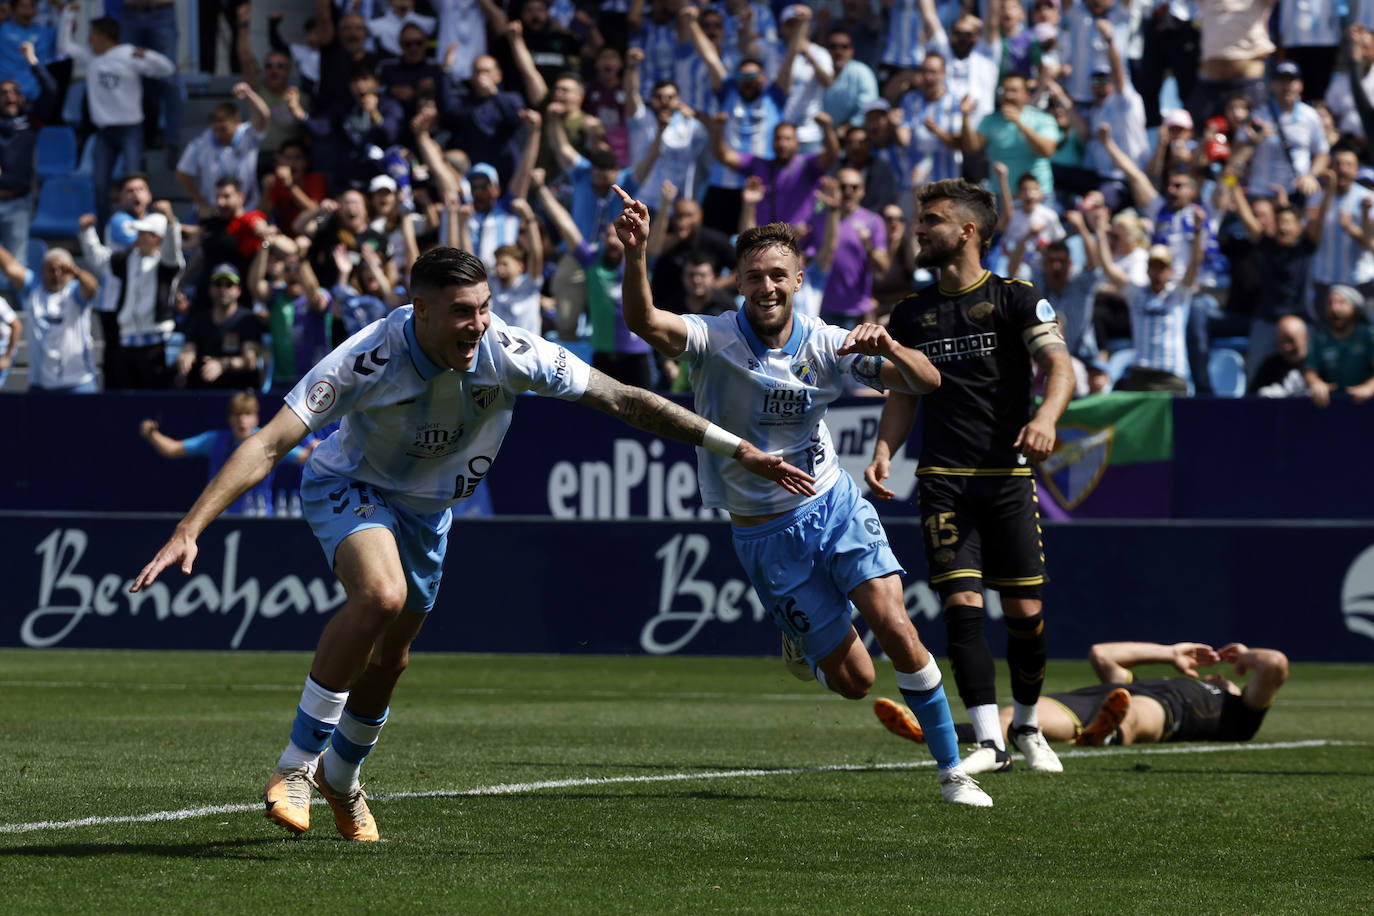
1226	369
55	154
1119	362
61	201
1239	344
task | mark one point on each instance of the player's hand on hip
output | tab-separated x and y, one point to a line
1036	440
772	467
868	339
181	547
874	475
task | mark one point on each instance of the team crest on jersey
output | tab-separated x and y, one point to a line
485	395
364	511
980	311
928	319
806	371
1075	467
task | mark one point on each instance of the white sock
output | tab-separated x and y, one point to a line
987	726
928	678
1021	714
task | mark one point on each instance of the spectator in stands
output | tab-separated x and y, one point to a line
343	52
144	281
754	108
18	139
1357	71
616	351
288	300
936	121
10	329
701	296
58	302
1018	135
665	130
232	235
228	148
514	287
1310	35
790	176
305	55
224	341
860	250
1281	375
1114	102
805	73
1027	223
656	38
748	29
485	116
387	29
292	187
1337	221
413	75
1291	148
1176	148
1071	293
555	49
352	130
462	34
1285	257
114	94
17	32
152	24
692	72
1121	238
608	100
890	286
1235	45
1341	357
880	181
971	69
583	131
686	234
855	84
218	444
1085	44
272	83
1169	42
1159	320
364	292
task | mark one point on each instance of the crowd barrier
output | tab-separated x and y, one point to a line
671	586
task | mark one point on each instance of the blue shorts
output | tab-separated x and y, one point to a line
804	564
336	507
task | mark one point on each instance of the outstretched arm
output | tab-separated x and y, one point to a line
249	464
894	426
904	368
660	416
1113	661
162	443
664	331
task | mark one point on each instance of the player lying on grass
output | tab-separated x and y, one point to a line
425	396
771	372
1122	710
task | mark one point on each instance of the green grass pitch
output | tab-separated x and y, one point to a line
535	784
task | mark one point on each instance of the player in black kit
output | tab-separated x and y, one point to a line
981	430
1122	710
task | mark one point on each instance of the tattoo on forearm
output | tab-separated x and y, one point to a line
1045	356
644	410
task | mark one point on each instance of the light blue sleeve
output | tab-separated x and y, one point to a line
200	446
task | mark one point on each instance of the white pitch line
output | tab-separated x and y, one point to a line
519	788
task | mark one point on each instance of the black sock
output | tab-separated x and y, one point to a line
969	655
1026	654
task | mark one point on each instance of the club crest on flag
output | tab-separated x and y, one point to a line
485	395
1075	467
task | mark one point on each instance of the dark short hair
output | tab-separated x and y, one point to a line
229	181
1345	145
443	267
512	251
107	26
571	75
603	159
1025	177
1058	246
225	111
761	238
132	176
977	203
697	257
663	84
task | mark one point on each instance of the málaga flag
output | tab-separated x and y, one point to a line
1114	459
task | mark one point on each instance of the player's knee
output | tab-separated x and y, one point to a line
393	663
385	598
850	683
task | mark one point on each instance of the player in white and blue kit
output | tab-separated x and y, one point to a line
773	372
424	397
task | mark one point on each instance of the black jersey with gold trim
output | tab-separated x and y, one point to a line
974	337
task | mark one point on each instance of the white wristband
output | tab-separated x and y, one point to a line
720	441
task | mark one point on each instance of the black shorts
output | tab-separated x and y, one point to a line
1082	704
982	531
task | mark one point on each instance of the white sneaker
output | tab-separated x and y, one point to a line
1030	741
987	758
959	788
795	661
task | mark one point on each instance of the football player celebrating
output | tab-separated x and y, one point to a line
772	373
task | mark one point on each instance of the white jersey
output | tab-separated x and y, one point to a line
774	398
423	434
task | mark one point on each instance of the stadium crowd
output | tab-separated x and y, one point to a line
1220	233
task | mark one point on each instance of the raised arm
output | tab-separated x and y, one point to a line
247	466
536	89
660	416
13	269
1000	170
519	185
564	153
829	197
1241	200
1316	216
799	40
1198	249
666	332
1268	669
1110	269
830	142
1142	189
162	443
258	112
92	249
724	154
715	67
1113	661
894	427
557	214
243	43
969	139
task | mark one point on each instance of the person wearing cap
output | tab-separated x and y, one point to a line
227	148
143	281
222	342
1159	319
57	300
1176	146
438	378
931	112
1341	356
1291	149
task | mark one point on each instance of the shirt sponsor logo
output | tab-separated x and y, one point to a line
434	441
320	397
949	349
786	402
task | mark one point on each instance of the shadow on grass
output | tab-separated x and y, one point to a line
220	849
